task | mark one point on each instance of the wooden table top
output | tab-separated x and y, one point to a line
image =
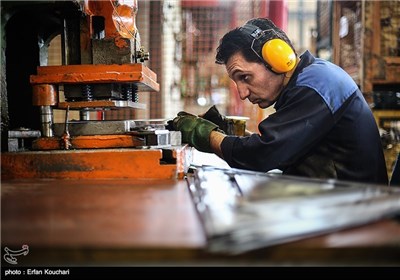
154	222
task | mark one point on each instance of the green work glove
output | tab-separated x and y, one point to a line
223	123
195	130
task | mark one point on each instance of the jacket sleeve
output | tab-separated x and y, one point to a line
285	136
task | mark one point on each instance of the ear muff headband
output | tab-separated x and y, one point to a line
275	52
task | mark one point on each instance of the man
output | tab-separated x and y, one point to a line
322	127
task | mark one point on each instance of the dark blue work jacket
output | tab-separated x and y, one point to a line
322	128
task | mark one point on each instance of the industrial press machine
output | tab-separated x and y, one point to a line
103	71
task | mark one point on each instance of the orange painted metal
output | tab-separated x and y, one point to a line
106	10
95	164
98	73
89	142
44	95
124	19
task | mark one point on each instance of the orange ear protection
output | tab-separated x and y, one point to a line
275	53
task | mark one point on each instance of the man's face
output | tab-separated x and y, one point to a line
253	81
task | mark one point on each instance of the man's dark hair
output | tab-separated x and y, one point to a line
237	40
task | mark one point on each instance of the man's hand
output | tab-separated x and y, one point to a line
195	130
223	123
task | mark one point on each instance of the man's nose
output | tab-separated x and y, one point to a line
243	91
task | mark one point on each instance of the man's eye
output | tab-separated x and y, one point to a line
244	77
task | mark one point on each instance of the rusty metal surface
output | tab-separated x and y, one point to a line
94	127
89	142
110	51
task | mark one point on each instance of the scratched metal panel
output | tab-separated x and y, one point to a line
243	210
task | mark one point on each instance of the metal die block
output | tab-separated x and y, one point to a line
76	128
154	137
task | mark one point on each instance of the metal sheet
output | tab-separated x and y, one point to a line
243	210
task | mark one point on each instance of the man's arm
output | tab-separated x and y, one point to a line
216	139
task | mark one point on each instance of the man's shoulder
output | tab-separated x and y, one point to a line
330	81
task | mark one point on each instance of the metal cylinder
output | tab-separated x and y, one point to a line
46	118
84	114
